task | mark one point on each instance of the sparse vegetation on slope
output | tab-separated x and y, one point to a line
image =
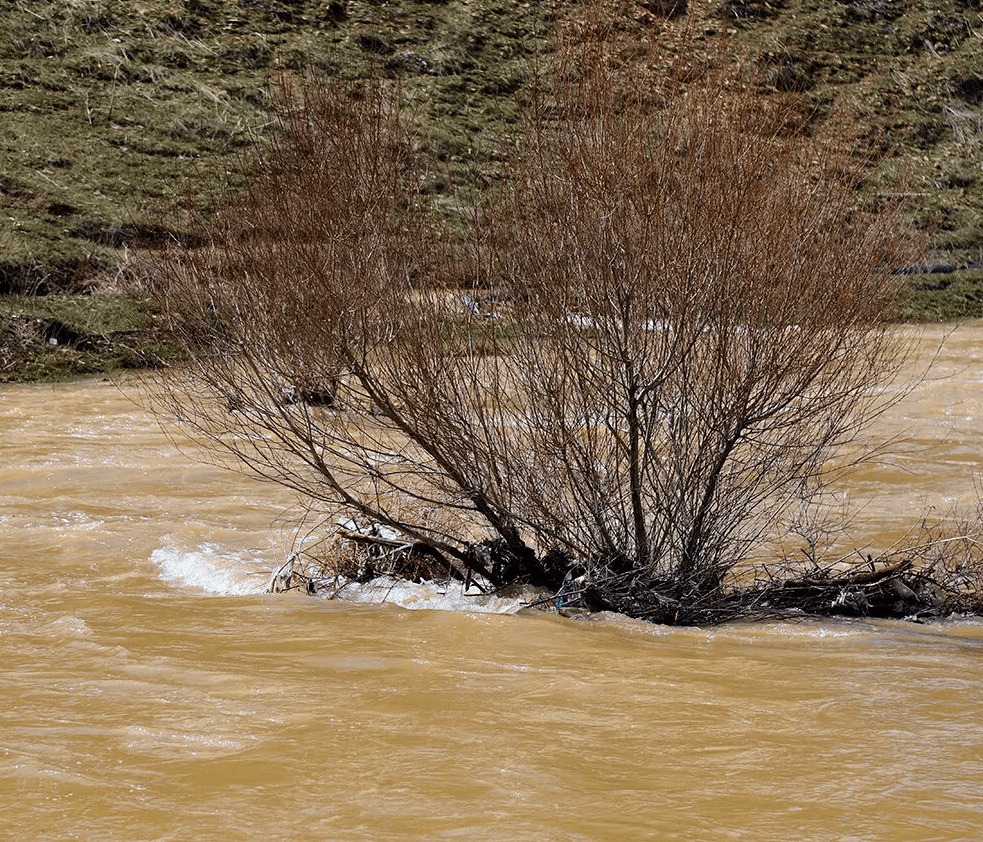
111	112
61	337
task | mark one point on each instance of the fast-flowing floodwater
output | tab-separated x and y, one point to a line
149	690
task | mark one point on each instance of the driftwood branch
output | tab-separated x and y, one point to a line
413	560
896	590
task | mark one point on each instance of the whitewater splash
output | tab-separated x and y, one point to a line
211	569
433	596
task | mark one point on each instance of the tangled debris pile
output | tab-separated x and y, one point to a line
902	585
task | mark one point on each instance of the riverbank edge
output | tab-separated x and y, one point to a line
64	337
67	337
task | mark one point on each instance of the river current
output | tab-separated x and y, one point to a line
150	690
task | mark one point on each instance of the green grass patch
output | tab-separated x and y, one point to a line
92	315
62	337
944	297
111	113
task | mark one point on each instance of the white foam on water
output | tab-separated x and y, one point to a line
210	569
165	743
69	626
431	596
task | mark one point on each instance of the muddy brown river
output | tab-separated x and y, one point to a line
149	690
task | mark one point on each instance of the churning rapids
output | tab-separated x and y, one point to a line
151	691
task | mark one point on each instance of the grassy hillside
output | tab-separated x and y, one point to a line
916	69
111	111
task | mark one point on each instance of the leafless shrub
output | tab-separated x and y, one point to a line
674	319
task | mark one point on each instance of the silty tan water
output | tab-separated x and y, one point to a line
150	691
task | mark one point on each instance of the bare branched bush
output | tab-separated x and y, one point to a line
674	320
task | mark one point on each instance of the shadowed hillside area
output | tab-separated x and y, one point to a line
111	112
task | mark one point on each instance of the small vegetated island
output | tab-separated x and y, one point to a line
614	378
585	298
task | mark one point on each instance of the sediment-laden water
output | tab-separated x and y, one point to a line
149	690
